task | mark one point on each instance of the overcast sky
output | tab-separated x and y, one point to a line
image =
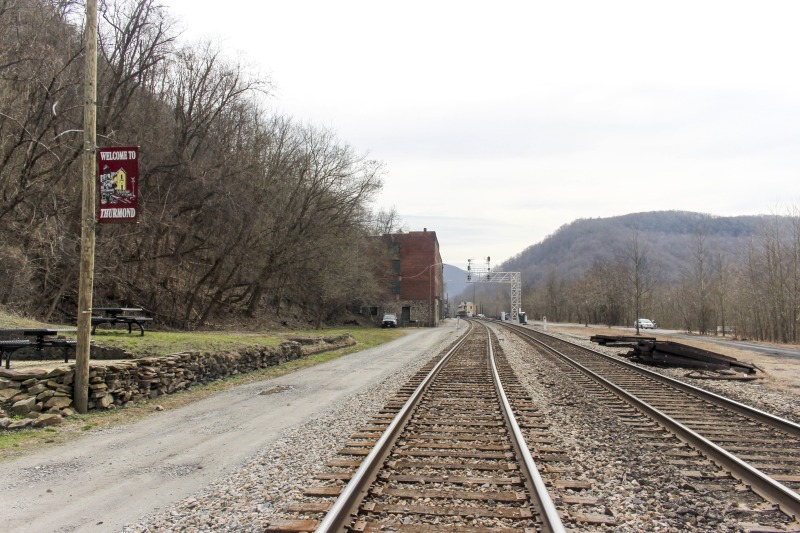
501	121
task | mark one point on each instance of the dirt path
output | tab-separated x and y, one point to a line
113	477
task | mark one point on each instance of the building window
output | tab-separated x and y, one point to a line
396	249
396	267
396	287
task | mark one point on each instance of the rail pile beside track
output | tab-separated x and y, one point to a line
760	450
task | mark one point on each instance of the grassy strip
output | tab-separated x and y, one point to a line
157	343
16	443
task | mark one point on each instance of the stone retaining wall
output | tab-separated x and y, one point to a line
42	397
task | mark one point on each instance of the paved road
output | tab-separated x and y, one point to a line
111	478
766	349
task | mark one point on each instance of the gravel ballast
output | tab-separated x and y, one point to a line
249	495
637	484
636	487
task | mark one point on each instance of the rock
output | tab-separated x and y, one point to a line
21	424
21	375
56	372
159	408
37	389
8	384
66	412
49	419
18	397
45	395
7	394
4	423
105	401
58	401
23	407
120	384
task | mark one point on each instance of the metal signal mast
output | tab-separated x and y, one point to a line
485	275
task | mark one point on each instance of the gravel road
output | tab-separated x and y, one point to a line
215	458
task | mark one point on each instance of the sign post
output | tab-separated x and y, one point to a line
80	386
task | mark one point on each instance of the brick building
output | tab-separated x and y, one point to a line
414	278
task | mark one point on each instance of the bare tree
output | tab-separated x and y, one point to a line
794	288
555	296
137	38
322	194
39	116
386	221
604	290
641	274
239	209
722	284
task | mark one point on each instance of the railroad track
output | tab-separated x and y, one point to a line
452	452
760	450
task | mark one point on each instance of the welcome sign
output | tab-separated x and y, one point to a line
118	180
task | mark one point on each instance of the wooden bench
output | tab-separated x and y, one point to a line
120	315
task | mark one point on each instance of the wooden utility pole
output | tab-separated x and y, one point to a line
80	387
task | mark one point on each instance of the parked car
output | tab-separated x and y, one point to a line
644	323
389	321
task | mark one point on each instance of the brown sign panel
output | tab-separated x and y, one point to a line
118	173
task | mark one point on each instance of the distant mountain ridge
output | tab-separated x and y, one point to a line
455	280
670	236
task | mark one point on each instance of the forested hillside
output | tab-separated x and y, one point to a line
242	211
685	270
575	247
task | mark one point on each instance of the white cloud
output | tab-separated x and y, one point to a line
501	122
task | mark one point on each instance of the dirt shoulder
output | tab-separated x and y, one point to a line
781	372
116	475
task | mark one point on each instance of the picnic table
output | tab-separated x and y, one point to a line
120	315
41	338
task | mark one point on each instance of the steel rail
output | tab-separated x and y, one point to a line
776	422
346	505
551	521
771	490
